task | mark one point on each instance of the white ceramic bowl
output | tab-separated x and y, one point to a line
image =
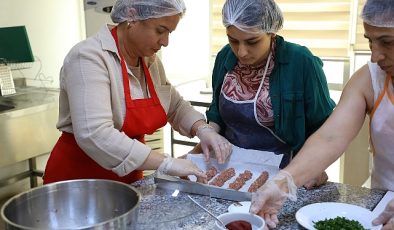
257	222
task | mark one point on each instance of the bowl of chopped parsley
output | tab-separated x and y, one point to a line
333	215
336	223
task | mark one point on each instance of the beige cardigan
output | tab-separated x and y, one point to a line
92	104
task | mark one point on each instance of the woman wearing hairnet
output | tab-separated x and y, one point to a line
113	91
369	91
268	94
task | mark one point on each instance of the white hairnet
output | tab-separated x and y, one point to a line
137	10
379	13
253	15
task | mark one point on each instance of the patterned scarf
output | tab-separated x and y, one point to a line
242	83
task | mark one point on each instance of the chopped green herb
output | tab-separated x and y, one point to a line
338	223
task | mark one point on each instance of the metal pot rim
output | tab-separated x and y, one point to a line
56	184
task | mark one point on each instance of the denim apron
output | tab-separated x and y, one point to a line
243	128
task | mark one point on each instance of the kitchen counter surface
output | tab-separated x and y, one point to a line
330	192
29	100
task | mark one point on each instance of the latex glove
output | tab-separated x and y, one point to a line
181	167
211	140
386	217
316	182
184	156
268	199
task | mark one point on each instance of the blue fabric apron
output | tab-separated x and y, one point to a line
244	130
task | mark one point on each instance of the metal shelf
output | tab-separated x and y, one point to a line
175	141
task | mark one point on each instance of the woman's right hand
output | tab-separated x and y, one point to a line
182	167
386	217
266	202
269	199
211	140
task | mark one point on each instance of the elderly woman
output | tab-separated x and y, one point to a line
268	94
369	91
113	91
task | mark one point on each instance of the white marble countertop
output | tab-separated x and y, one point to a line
330	192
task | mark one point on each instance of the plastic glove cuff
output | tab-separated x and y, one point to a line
165	166
292	188
203	127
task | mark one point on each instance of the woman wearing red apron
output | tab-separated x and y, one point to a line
110	99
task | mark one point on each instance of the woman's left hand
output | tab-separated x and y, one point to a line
211	140
316	182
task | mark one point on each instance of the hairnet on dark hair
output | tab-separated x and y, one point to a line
137	10
253	16
379	13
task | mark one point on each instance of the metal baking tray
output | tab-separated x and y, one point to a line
240	159
168	182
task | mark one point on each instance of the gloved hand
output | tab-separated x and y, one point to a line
181	167
386	217
316	182
211	140
268	199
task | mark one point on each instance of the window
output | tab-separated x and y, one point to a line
322	26
360	43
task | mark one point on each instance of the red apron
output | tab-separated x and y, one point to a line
143	116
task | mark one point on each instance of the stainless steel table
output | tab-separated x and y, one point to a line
27	129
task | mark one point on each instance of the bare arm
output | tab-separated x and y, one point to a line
329	142
320	150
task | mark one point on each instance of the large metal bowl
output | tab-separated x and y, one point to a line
74	204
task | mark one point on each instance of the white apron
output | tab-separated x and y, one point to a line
382	129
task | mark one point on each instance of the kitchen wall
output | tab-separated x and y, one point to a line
187	57
53	28
94	19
